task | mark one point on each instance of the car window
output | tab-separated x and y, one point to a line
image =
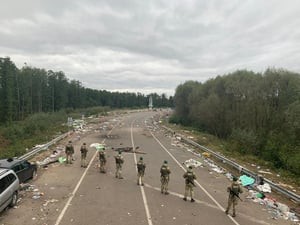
4	183
16	168
25	164
11	178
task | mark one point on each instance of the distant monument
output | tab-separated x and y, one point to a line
150	102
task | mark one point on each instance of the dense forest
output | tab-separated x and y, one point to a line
258	113
28	90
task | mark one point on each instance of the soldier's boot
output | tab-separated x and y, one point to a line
226	211
184	198
166	193
233	215
192	200
142	184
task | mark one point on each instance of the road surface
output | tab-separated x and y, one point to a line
72	195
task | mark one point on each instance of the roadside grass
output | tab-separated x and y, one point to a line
16	138
254	163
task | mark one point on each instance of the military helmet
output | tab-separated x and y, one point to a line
84	143
120	152
70	141
165	162
141	158
190	167
234	178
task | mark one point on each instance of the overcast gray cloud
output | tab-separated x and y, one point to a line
150	46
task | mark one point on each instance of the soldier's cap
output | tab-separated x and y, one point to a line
190	167
84	143
70	141
120	152
234	178
141	158
165	162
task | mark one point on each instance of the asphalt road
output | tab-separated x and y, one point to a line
83	196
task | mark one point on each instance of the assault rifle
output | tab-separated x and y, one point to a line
235	194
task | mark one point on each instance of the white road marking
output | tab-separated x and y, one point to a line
181	196
61	215
141	187
203	189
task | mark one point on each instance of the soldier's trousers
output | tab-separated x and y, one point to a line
164	184
189	191
140	176
69	158
102	166
232	201
83	160
119	171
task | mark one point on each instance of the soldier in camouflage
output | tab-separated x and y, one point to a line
234	190
164	177
119	162
189	177
69	150
141	166
83	150
102	159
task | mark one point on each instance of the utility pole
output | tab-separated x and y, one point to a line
150	102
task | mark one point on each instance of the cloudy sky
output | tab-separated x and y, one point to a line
152	45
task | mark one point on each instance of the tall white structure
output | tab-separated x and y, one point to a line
150	102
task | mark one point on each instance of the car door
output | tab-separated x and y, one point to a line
19	171
5	193
27	170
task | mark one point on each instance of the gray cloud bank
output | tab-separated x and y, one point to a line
150	46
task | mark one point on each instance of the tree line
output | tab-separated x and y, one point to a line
28	90
258	113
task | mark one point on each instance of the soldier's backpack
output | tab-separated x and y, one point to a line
190	177
83	150
140	166
164	171
235	189
102	156
119	160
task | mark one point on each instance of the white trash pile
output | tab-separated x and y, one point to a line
52	158
276	209
192	162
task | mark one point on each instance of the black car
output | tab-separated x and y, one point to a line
24	169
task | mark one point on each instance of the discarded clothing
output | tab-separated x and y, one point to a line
246	180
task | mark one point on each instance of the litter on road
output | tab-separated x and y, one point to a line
192	162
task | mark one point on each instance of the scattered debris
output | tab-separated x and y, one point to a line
128	150
266	172
206	154
54	157
266	188
192	162
246	180
49	201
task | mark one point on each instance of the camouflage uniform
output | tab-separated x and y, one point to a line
119	162
164	177
69	150
102	159
189	177
141	166
83	150
234	190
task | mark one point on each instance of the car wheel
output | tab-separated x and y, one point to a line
14	199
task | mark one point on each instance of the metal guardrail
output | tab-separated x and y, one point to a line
43	147
250	173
